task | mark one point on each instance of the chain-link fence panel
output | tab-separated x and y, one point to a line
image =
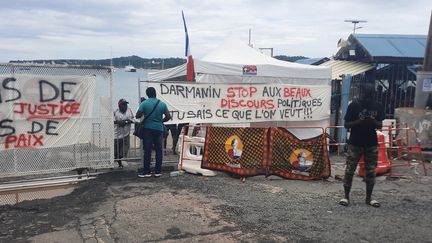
55	118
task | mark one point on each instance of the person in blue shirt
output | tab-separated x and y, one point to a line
155	113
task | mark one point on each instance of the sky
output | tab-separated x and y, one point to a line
100	29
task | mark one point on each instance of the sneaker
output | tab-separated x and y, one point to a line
144	175
157	174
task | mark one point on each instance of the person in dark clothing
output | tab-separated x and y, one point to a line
171	128
363	117
429	102
380	94
175	130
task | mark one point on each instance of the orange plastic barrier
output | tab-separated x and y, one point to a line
383	165
407	150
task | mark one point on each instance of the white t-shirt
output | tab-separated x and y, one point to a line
121	132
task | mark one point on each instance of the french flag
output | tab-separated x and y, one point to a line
190	70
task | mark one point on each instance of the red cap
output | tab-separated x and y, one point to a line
122	101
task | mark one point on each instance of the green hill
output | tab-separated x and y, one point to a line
136	61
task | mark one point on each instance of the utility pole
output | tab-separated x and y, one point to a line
424	78
355	22
111	60
250	33
427	61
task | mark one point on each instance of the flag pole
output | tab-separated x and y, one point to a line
190	69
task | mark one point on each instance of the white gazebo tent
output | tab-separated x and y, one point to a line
225	65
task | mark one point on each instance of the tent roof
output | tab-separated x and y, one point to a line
230	57
233	51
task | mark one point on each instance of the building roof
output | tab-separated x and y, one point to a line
340	68
411	46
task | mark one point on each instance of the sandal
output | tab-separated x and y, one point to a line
373	203
344	202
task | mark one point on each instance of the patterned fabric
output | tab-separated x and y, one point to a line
267	151
293	158
252	142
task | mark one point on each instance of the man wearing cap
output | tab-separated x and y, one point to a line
123	118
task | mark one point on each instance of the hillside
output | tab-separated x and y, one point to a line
136	61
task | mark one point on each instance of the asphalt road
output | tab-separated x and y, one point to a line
120	207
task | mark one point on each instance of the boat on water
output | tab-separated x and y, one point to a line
130	68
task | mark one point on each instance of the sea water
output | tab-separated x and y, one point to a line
125	85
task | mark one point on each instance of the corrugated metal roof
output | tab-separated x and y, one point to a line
393	45
346	67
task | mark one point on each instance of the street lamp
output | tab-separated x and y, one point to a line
355	22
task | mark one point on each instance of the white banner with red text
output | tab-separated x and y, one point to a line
45	111
234	103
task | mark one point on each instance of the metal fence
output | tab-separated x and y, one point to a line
130	149
95	152
395	85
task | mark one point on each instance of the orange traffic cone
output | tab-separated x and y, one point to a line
383	165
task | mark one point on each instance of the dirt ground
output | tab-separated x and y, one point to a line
120	207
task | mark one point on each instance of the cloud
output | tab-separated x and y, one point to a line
91	29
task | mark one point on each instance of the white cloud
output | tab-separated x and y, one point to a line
90	29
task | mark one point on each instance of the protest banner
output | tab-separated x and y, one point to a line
45	111
233	103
